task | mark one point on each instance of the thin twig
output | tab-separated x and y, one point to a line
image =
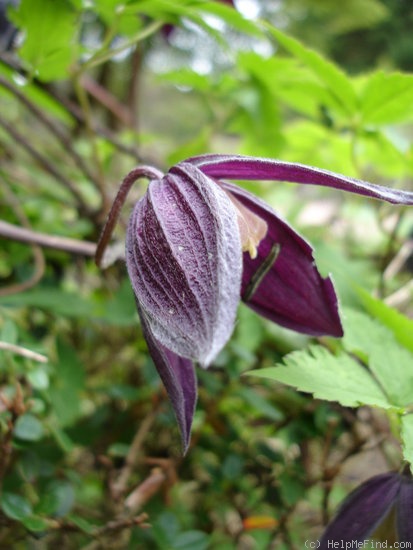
105	55
44	162
24	352
107	99
54	128
112	253
120	485
74	110
16	233
39	261
83	98
399	260
401	296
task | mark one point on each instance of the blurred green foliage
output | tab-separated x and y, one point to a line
89	450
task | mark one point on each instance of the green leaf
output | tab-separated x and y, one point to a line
68	382
260	404
35	524
9	332
231	16
387	98
37	95
407	437
15	506
335	80
49	36
399	324
82	523
334	378
28	427
38	378
391	364
61	497
53	299
190	540
118	449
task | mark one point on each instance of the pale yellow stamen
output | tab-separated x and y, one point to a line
252	228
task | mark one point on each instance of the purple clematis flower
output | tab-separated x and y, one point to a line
196	245
369	506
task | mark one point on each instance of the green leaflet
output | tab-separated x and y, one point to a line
50	33
399	324
387	98
334	378
334	79
379	371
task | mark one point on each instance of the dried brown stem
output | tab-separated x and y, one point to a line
51	125
108	100
24	352
120	485
39	261
16	233
44	162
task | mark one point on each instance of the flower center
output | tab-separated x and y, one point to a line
252	228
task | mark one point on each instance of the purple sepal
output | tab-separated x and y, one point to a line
405	510
292	293
251	168
363	510
178	377
184	259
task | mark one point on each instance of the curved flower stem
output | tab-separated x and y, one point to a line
125	187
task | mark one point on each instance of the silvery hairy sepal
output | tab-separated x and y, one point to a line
196	245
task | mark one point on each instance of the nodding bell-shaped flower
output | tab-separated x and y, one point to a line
382	504
196	245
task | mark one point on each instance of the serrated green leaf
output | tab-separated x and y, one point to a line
407	437
391	364
335	80
49	36
387	98
334	378
399	324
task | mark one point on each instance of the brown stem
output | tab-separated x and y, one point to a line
103	96
39	261
16	233
54	128
134	83
23	352
120	485
44	162
125	187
